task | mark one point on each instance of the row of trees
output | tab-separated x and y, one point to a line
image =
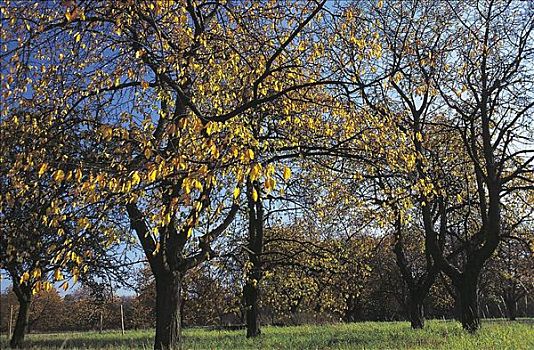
291	294
197	129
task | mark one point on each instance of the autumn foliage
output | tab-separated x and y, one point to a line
287	142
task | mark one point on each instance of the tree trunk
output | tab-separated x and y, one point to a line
250	292
416	312
468	302
255	247
511	306
350	310
168	300
512	311
22	322
418	286
182	308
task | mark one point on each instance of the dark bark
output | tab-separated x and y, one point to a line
168	310
293	310
512	310
353	309
416	311
511	305
255	249
418	286
168	266
467	300
251	309
182	308
24	299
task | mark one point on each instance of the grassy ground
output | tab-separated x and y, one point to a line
368	335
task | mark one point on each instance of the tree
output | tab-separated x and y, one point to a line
48	236
491	116
405	171
154	122
469	92
149	84
507	276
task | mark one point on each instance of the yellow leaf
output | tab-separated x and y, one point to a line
78	175
25	276
58	276
250	154
459	198
269	170
152	175
270	183
254	195
209	128
106	132
214	151
65	286
166	219
47	286
84	223
287	173
136	179
237	191
148	153
42	169
418	136
36	288
36	273
197	184
156	250
186	186
255	172
58	175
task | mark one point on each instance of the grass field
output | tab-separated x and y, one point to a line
499	335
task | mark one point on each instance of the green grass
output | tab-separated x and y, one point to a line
368	335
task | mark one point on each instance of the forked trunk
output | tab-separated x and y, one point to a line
168	320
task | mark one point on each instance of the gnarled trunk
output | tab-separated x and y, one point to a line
467	301
22	321
168	267
168	320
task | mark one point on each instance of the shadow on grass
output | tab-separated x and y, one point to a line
89	341
365	335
